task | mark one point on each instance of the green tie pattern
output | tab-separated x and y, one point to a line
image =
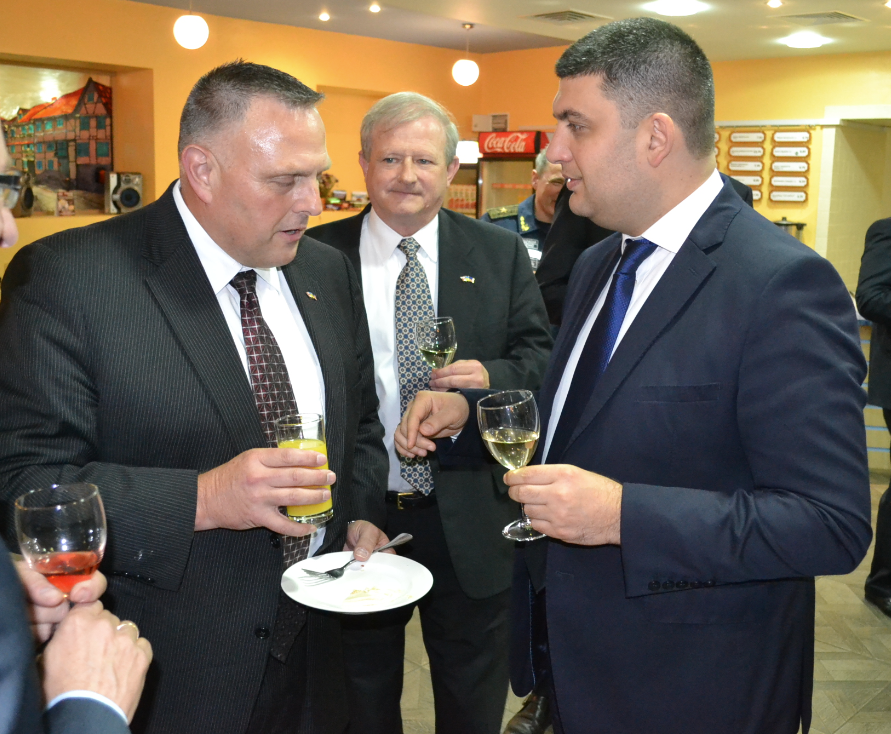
413	304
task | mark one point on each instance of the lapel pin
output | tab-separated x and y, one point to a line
312	295
468	279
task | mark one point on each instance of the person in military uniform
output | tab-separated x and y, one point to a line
532	218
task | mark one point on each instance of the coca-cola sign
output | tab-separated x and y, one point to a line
508	144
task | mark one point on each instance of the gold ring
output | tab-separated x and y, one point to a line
128	623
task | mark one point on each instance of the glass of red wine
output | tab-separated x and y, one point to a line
62	532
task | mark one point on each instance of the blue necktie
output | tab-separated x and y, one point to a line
601	340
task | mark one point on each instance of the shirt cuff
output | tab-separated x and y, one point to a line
88	694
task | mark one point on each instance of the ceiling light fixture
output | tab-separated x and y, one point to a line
191	31
779	3
676	8
375	8
324	16
466	71
888	4
805	39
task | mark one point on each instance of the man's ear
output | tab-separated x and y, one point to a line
363	164
661	135
200	168
453	168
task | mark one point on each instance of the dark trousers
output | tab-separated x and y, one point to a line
879	580
282	693
466	641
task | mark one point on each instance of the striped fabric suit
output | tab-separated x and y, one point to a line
117	368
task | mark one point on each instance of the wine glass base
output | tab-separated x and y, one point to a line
521	531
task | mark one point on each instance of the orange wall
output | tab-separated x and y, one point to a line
139	46
140	37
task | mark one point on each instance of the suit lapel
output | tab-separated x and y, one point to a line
688	271
456	298
183	293
600	271
303	275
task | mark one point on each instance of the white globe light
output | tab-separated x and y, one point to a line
191	31
465	72
805	39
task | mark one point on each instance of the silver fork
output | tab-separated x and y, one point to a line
336	573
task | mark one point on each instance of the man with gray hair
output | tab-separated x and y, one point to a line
532	217
418	260
151	355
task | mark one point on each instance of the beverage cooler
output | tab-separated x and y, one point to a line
505	168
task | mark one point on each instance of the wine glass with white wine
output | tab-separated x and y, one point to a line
509	425
437	341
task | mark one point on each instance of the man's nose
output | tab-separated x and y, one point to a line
558	151
407	170
308	200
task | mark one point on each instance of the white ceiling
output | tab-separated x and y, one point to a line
729	29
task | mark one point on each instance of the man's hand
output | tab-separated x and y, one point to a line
430	415
568	503
90	652
463	373
247	491
363	537
47	606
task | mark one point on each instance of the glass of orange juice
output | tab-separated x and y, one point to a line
306	431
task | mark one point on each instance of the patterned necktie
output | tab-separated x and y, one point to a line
269	379
601	340
413	304
274	397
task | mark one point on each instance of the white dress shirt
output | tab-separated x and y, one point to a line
382	261
279	311
668	234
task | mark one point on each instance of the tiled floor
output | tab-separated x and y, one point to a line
852	671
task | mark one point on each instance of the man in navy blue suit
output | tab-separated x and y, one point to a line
702	453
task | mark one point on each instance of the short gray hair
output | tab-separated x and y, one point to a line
223	96
541	161
403	107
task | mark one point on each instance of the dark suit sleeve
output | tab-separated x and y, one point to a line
83	716
569	236
529	339
51	432
371	463
800	426
874	285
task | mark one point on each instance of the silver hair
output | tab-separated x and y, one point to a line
403	107
223	95
541	161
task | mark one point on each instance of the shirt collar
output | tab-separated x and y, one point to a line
672	230
219	265
387	239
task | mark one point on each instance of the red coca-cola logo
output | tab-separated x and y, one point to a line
519	143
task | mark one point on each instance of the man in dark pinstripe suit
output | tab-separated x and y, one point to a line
124	364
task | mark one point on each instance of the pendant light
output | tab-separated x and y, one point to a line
466	71
191	31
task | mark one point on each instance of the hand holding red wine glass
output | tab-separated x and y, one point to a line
62	532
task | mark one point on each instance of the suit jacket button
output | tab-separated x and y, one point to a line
653	586
681	585
708	584
668	585
695	584
262	632
274	540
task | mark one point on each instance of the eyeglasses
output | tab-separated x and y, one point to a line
10	188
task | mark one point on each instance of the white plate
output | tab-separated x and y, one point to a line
384	581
